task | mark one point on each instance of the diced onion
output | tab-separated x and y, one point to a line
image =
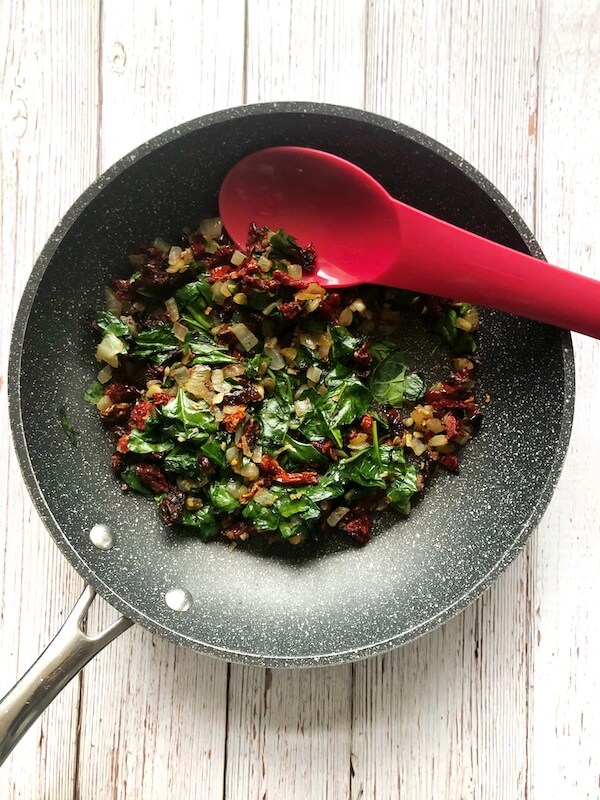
336	515
172	309
269	309
264	264
217	293
105	374
231	454
180	374
439	440
233	370
113	304
302	407
314	374
346	317
174	255
257	454
276	360
265	498
238	258
104	403
250	471
295	272
109	349
211	228
234	487
244	336
240	299
180	331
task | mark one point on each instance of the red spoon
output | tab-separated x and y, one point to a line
362	235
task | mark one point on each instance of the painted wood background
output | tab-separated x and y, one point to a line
502	702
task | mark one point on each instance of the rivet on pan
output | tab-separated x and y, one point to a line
178	599
102	537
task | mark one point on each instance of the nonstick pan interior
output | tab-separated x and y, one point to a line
298	606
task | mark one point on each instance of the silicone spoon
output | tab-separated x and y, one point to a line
363	235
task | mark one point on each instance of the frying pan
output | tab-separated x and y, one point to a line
299	607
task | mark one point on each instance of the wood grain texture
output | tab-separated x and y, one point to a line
289	731
43	168
162	733
565	680
448	714
500	702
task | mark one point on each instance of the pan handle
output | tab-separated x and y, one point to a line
67	653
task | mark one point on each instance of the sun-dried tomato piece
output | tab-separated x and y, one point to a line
256	237
445	402
153	254
153	277
449	461
153	477
117	414
160	398
124	290
273	470
286	280
451	426
308	258
361	357
239	531
221	256
231	419
117	463
326	448
357	523
139	415
121	392
244	498
197	246
205	465
291	310
366	424
221	273
394	420
331	307
172	507
154	372
122	443
246	394
262	284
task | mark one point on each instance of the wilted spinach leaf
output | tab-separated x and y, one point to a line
67	426
108	323
94	392
155	345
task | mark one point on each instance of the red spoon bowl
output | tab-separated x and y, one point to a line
363	235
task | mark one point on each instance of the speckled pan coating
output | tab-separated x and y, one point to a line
301	607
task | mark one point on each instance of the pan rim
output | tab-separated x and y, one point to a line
18	432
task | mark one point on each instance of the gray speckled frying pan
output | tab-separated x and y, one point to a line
301	607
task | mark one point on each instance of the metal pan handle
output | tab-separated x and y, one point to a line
65	656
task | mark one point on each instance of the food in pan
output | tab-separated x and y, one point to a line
248	401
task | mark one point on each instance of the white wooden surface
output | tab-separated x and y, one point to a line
502	702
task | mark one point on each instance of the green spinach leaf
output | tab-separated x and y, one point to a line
108	323
155	345
94	392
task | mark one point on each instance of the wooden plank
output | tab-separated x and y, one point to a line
289	731
306	50
565	723
446	716
42	170
164	63
161	727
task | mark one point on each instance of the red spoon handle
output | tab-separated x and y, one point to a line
458	264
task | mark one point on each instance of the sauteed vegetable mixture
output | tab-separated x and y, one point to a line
250	402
